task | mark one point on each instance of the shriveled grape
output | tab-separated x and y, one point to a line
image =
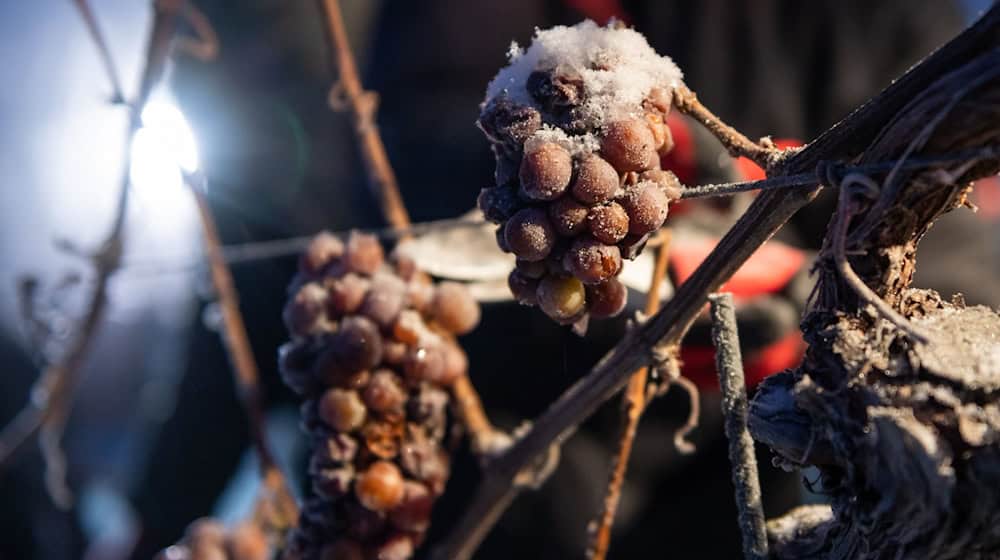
545	171
592	261
608	223
454	308
629	145
529	234
363	253
646	205
568	216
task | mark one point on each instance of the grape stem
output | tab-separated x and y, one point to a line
633	404
762	153
349	94
845	141
52	394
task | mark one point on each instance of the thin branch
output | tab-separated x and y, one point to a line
733	140
729	364
633	405
205	45
767	213
234	334
362	105
53	391
117	92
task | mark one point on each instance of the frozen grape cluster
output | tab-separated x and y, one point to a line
577	123
373	352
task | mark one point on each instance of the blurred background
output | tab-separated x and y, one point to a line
156	437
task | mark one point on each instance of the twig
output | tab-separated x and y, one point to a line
733	140
768	212
362	105
53	391
729	364
633	405
117	92
205	45
234	334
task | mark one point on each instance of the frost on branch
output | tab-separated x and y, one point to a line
577	124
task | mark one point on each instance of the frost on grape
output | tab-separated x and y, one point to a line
578	126
615	66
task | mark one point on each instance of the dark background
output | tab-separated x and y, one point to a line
156	438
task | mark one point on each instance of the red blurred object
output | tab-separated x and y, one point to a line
750	171
600	10
767	271
698	362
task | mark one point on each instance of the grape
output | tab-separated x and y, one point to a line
385	299
346	293
333	482
522	287
395	546
568	216
358	344
667	181
322	250
663	142
592	261
409	327
425	363
295	362
331	371
646	205
556	89
596	180
529	234
427	408
363	253
205	530
362	523
380	487
456	363
545	171
660	99
248	542
508	123
394	352
501	235
454	308
531	269
306	312
420	292
629	145
414	512
425	461
498	203
609	223
342	409
385	392
606	299
342	549
382	436
561	298
404	265
332	450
